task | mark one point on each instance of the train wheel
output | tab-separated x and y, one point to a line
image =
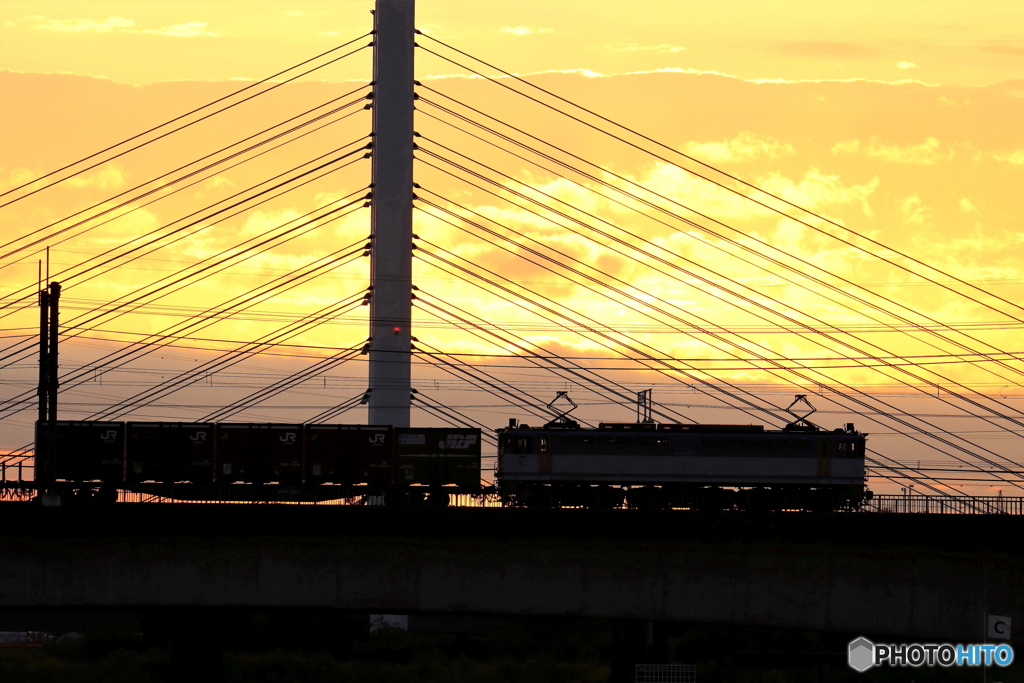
82	495
755	500
106	494
438	498
603	497
712	499
539	497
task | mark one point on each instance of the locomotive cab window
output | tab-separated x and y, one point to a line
522	444
544	444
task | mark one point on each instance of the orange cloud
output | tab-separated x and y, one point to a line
746	146
928	152
524	30
107	25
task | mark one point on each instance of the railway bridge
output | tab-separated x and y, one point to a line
911	575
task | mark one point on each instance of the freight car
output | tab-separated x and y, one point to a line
705	466
199	460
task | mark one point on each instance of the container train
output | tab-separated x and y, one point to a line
198	460
642	465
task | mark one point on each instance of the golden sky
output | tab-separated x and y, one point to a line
898	120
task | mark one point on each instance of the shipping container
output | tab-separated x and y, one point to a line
80	451
259	453
170	452
436	456
349	454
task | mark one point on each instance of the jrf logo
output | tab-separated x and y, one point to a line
458	441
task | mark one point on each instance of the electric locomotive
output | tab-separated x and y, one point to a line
711	466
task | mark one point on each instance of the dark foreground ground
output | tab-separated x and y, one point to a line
310	647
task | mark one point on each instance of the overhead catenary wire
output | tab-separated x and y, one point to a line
279	387
251	298
337	410
226	359
229	358
565	368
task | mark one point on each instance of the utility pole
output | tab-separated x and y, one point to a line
44	348
52	354
391	213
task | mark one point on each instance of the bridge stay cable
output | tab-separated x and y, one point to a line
470	323
604	339
225	360
170	183
180	233
671	214
882	362
223	260
918	480
722	185
605	275
942	440
197	322
182	127
548	208
801	273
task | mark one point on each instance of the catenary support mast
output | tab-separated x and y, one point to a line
391	267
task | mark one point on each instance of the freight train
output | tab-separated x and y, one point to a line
302	461
642	465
